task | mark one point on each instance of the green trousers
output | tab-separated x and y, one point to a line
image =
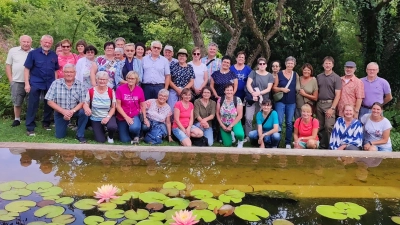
227	137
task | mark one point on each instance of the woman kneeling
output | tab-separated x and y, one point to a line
306	129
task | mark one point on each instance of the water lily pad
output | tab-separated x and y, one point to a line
226	210
128	222
108	223
140	214
331	212
396	219
106	206
177	203
45	202
157	216
169	222
118	201
3	212
39	185
65	200
93	220
155	206
8	216
20	206
235	193
205	215
52	197
251	212
15	194
53	191
128	195
201	194
12	184
174	184
198	204
37	223
85	204
224	198
64	219
351	208
171	192
169	213
49	211
114	214
213	203
149	222
282	222
152	196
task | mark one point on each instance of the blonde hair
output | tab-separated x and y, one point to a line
133	74
352	106
305	107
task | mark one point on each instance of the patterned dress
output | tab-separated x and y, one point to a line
222	79
180	75
228	111
113	68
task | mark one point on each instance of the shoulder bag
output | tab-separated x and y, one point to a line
279	95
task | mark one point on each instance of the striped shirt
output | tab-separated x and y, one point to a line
64	97
101	104
353	135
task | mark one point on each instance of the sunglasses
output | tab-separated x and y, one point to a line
89	52
65	46
262	64
129	50
158	48
196	53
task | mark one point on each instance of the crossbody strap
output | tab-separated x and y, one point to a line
290	80
266	118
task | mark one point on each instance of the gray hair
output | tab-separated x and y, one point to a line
119	39
69	65
130	44
101	74
26	37
163	92
155	42
213	44
290	58
120	50
373	64
47	36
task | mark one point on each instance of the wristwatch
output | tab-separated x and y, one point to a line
333	108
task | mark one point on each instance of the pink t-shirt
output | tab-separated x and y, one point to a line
184	114
130	100
64	60
305	130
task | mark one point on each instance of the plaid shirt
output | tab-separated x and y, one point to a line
64	97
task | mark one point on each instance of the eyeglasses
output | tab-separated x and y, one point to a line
89	52
65	46
129	50
158	48
131	78
262	64
196	53
275	66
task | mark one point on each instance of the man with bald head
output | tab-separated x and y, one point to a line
376	89
15	73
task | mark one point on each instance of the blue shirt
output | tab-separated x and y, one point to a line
154	71
42	68
290	97
269	125
242	76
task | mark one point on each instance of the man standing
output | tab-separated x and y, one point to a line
212	62
329	88
40	71
66	96
15	73
352	90
119	42
169	54
378	89
156	72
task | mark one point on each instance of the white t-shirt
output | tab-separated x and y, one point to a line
373	131
199	74
16	58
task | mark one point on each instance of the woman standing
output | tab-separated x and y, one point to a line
80	48
307	89
222	77
306	129
267	133
108	63
130	102
100	106
229	113
200	72
130	63
84	66
139	50
259	84
376	130
242	72
285	83
347	134
275	68
182	76
204	113
66	57
182	126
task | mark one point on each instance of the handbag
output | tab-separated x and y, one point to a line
279	95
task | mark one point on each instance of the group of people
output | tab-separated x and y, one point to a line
139	93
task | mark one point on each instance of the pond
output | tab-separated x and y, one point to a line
288	187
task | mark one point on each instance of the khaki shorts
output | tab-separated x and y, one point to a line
18	93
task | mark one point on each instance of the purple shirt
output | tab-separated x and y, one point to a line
130	100
375	90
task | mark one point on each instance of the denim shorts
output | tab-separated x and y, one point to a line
178	133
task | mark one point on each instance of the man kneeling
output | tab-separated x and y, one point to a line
66	96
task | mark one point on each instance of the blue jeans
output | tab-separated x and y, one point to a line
128	132
151	90
172	98
363	111
61	124
146	129
208	133
287	110
33	106
269	140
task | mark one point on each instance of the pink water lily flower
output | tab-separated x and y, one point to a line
106	192
184	217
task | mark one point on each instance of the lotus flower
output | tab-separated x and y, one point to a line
184	217
106	192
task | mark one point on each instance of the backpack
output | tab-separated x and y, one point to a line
91	94
156	134
200	142
223	99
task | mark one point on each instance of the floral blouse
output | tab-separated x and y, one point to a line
113	68
181	76
227	111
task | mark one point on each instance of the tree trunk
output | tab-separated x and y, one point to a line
233	42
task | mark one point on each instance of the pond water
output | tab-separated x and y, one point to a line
289	187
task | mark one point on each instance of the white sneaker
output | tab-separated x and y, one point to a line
233	137
110	140
288	146
240	144
246	139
